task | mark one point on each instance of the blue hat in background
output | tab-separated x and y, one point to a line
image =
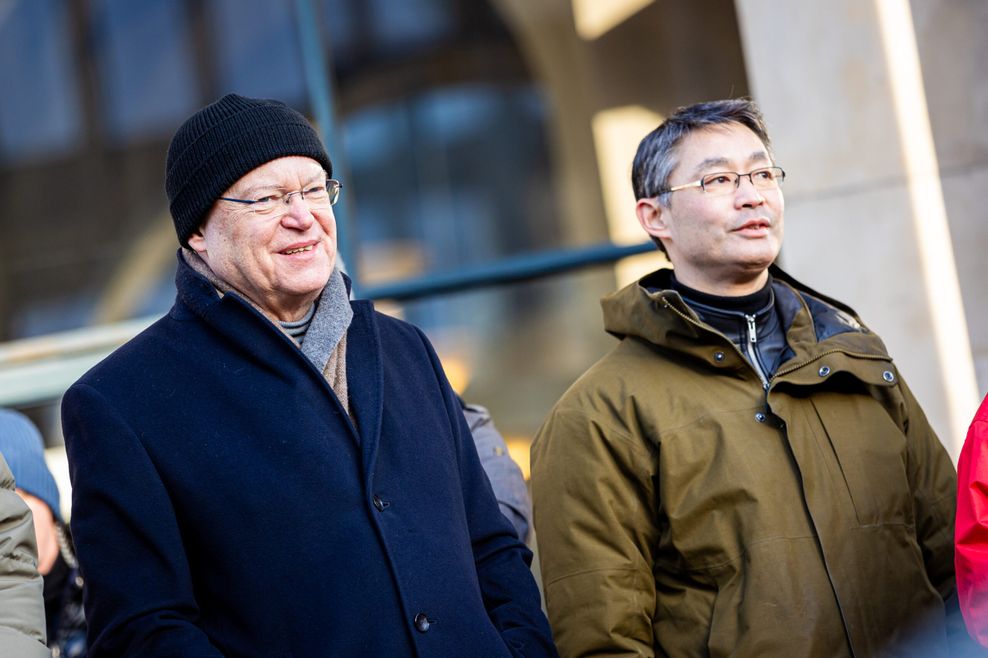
22	448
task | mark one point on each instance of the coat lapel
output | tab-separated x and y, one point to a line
365	379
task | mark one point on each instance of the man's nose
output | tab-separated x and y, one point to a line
747	194
297	212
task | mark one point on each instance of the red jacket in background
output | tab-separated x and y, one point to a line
971	533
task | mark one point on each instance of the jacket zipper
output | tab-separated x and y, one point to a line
779	373
761	376
752	355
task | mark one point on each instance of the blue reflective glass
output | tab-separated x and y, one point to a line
144	57
468	182
340	23
257	49
39	113
400	24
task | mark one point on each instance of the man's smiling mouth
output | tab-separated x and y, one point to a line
298	250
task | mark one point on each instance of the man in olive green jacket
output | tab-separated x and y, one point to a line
746	473
22	610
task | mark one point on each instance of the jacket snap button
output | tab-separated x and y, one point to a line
718	356
824	371
888	376
422	622
380	503
760	417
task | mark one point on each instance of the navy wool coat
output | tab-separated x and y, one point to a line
224	504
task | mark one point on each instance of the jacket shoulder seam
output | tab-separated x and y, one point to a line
626	438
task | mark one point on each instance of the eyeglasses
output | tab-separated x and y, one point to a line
726	182
320	195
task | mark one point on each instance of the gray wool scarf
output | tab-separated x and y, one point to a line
325	340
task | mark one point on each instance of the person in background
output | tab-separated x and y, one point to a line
746	473
505	475
273	469
22	611
971	531
22	445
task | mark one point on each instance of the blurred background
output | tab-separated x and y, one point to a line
474	135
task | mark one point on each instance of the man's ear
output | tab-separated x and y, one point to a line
653	217
197	241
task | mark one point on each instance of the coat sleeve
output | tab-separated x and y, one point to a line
971	532
505	475
22	611
595	510
138	597
510	594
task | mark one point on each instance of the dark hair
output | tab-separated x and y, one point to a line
657	154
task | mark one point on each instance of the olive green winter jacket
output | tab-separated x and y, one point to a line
22	610
681	509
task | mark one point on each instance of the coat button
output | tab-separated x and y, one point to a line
380	503
888	376
422	622
760	417
718	356
824	371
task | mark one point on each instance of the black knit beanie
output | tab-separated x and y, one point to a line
222	142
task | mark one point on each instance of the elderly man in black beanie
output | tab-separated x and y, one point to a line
271	469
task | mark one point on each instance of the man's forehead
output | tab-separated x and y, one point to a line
721	146
758	155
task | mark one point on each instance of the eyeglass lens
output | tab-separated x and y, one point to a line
727	181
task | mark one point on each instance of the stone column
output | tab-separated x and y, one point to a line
864	202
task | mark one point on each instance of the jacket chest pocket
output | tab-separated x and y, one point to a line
870	455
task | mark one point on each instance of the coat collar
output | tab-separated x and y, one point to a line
260	341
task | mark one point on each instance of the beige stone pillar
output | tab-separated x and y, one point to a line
871	208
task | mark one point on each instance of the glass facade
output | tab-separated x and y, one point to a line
465	131
41	120
141	97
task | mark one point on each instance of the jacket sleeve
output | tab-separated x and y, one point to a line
138	597
505	475
595	510
971	533
510	594
22	611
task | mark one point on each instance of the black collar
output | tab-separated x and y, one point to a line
753	304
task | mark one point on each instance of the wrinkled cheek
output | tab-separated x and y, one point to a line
328	223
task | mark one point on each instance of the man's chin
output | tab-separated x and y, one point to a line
760	259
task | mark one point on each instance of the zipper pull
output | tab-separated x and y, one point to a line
752	336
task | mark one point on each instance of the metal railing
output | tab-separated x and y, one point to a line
35	370
509	270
